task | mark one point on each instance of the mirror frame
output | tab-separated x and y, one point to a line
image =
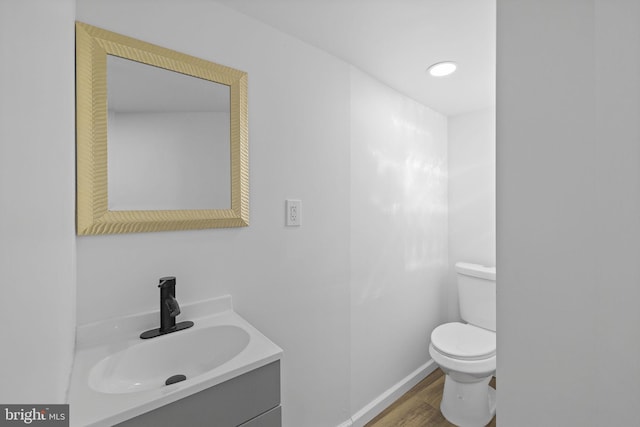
92	214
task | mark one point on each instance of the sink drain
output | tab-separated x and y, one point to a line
175	379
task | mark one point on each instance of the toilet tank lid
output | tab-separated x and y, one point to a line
476	270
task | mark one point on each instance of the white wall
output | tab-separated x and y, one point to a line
291	283
398	235
568	142
37	243
472	193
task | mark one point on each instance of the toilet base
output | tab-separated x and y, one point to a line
468	404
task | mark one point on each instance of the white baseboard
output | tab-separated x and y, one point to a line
380	403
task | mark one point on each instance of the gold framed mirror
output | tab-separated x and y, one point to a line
178	160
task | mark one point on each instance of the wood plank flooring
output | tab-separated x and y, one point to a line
420	406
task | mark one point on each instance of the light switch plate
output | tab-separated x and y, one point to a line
293	211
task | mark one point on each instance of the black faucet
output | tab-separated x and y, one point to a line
169	309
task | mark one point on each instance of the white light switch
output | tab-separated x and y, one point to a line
293	210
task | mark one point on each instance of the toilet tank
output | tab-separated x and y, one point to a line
477	294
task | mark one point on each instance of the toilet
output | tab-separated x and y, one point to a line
466	352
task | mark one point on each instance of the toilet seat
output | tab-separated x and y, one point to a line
463	341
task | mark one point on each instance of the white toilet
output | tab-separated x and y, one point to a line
466	352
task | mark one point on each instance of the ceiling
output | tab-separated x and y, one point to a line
396	40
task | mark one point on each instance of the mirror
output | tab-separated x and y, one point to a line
161	138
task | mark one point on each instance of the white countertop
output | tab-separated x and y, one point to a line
96	341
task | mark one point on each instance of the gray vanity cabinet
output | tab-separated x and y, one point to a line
249	400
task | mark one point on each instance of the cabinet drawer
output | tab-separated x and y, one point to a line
272	418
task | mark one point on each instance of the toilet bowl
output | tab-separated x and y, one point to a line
466	352
467	355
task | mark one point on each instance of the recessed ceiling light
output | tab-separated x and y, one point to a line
442	69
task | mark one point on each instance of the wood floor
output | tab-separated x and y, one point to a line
419	407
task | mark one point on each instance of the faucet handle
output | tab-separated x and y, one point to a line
173	306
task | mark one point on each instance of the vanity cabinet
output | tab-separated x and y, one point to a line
249	400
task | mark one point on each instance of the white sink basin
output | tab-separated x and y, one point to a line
117	376
150	363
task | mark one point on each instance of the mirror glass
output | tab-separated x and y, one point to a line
168	139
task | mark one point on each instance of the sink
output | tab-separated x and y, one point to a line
148	365
117	376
